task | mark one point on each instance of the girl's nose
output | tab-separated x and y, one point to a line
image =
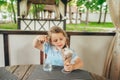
58	41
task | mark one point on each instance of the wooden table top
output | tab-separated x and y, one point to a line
23	72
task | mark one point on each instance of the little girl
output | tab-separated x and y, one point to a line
53	45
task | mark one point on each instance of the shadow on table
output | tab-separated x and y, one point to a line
56	74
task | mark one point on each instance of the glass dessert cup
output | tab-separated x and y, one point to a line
66	72
47	66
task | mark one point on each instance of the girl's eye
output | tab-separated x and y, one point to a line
55	40
61	39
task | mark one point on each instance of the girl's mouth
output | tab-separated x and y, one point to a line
60	46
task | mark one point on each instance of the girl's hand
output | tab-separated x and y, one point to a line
39	40
70	67
67	65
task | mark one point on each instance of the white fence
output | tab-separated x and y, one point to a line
93	17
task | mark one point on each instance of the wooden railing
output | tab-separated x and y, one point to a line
6	34
39	24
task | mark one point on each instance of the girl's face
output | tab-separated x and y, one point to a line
58	40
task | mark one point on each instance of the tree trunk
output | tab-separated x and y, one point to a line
105	14
99	21
13	11
87	15
70	15
80	14
76	16
34	11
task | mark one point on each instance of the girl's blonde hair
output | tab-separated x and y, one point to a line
56	29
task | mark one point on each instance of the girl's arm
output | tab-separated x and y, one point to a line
38	41
76	65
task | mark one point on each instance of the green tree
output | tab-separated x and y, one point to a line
79	5
2	3
100	3
89	5
12	9
106	10
70	13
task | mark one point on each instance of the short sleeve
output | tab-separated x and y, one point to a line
46	47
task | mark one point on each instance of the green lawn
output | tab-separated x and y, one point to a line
92	26
8	26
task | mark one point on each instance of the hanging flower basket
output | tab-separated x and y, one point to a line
50	2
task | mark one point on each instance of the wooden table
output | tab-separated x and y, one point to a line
35	72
